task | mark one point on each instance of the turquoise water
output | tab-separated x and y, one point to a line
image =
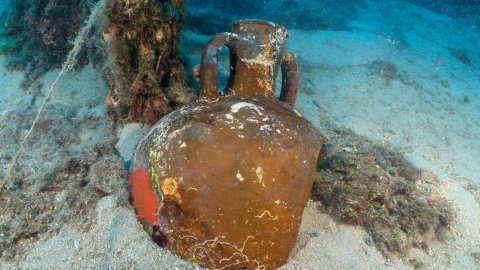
403	74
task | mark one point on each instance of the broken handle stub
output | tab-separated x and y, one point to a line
289	91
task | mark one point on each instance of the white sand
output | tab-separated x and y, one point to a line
117	241
430	123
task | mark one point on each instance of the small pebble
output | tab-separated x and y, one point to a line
369	240
476	255
319	105
445	84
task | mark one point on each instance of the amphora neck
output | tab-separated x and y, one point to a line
255	57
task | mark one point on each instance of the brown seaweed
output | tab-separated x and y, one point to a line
364	184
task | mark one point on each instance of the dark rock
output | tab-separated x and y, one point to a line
463	57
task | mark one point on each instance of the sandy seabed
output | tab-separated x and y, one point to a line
428	109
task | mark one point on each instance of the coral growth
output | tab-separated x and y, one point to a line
148	76
363	184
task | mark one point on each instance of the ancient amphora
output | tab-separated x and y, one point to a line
223	181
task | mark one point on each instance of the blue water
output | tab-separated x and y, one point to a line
4	12
404	74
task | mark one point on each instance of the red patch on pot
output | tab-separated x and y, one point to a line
143	197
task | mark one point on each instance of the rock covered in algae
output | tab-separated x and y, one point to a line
146	74
224	184
361	183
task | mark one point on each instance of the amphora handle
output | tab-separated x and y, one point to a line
209	69
209	65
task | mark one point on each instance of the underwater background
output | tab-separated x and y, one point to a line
394	85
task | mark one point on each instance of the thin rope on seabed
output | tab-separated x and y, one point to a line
68	65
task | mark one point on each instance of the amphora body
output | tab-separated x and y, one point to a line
223	182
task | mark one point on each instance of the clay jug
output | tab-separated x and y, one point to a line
256	50
223	181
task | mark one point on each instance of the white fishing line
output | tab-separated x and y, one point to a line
70	62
